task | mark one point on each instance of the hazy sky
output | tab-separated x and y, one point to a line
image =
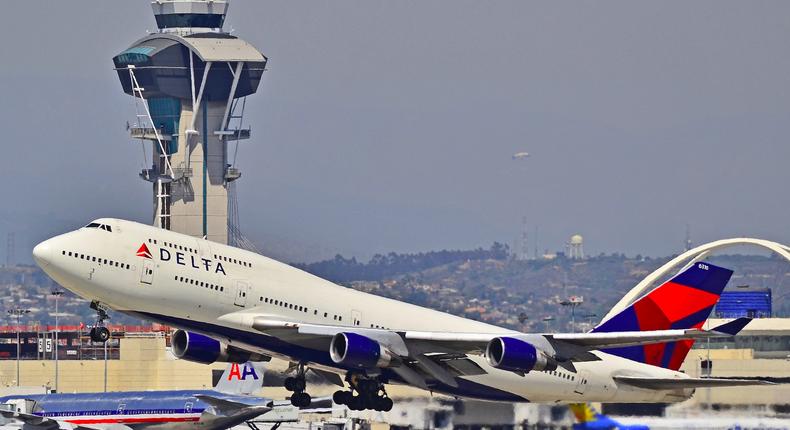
389	125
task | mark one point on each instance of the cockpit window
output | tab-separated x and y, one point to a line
104	227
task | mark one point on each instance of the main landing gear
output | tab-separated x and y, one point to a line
297	384
99	333
370	394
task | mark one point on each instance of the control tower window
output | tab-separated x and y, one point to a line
181	20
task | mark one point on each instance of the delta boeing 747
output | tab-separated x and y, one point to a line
234	305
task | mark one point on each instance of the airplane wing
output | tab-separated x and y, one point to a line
231	408
39	422
473	342
678	383
435	353
228	414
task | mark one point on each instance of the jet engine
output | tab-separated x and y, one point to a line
516	355
203	349
355	350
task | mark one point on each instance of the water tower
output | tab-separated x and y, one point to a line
576	247
190	80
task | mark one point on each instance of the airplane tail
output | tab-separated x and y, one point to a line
241	378
583	412
683	302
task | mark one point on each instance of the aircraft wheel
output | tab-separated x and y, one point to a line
294	384
100	334
341	397
301	400
356	403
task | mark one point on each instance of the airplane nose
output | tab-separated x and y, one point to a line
42	253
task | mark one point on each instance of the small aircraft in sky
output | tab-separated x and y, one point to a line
520	155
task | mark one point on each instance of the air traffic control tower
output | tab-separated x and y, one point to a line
190	81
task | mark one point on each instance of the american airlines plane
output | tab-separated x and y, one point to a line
229	404
234	305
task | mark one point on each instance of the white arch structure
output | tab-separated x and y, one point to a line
690	257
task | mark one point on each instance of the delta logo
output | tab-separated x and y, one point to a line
182	259
240	373
144	252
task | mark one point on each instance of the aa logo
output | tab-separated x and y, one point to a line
241	373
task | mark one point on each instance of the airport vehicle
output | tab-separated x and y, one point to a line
228	405
588	418
233	305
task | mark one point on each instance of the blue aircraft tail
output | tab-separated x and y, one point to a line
683	302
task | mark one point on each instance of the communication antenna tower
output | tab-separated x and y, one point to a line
524	248
10	250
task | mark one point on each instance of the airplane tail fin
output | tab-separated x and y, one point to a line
583	412
241	378
683	302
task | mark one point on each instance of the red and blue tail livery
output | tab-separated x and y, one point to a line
683	302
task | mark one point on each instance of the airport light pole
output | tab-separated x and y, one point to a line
57	294
105	362
546	321
17	312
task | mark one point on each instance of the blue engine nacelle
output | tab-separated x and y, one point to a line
203	349
355	350
516	355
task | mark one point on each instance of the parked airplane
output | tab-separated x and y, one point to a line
228	405
235	305
588	419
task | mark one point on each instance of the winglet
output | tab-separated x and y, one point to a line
733	327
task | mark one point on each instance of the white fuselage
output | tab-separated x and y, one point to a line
190	283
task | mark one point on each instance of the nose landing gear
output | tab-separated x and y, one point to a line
370	394
99	333
297	384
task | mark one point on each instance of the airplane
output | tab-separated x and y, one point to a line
231	304
589	419
230	403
